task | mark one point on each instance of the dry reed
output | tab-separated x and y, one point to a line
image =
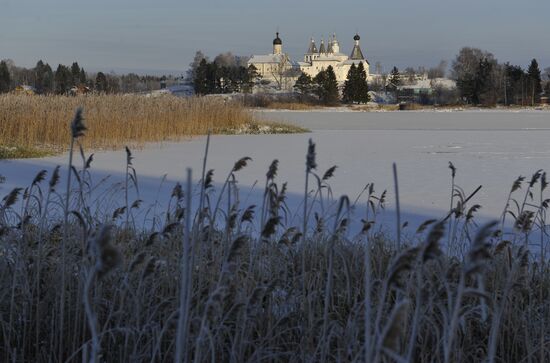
207	286
117	120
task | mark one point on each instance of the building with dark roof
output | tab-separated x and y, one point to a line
316	61
277	65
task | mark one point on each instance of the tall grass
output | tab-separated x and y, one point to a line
223	284
118	120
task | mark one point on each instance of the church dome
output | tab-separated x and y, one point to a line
356	37
277	41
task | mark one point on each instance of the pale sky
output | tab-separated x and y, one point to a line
163	35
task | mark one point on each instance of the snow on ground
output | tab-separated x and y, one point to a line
488	148
343	118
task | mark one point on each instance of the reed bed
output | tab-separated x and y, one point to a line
240	283
118	120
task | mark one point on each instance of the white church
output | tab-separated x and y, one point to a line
278	67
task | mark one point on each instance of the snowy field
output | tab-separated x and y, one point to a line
488	148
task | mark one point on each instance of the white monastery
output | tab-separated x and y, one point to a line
278	67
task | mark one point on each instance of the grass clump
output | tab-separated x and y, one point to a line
221	281
21	152
263	129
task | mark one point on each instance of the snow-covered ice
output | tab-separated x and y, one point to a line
489	148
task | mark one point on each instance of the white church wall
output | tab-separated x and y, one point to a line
270	68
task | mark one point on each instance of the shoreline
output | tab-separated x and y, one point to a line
374	109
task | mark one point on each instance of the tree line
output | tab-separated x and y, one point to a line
482	80
324	86
227	73
60	81
212	78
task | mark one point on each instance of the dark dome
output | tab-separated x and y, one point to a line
277	40
356	37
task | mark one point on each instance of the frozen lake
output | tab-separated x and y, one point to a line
341	119
488	148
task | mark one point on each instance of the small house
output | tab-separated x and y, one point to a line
79	90
25	90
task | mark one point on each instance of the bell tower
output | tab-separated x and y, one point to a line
277	45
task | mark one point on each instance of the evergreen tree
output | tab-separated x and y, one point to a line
223	77
253	73
39	75
213	78
48	79
200	80
318	85
208	78
250	78
535	82
356	89
82	77
44	78
233	78
394	81
199	57
514	78
243	79
63	79
349	93
331	86
484	81
75	72
101	82
362	85
239	79
326	87
304	85
5	77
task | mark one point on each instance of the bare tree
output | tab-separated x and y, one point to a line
439	71
409	75
475	72
242	61
282	72
226	59
378	68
